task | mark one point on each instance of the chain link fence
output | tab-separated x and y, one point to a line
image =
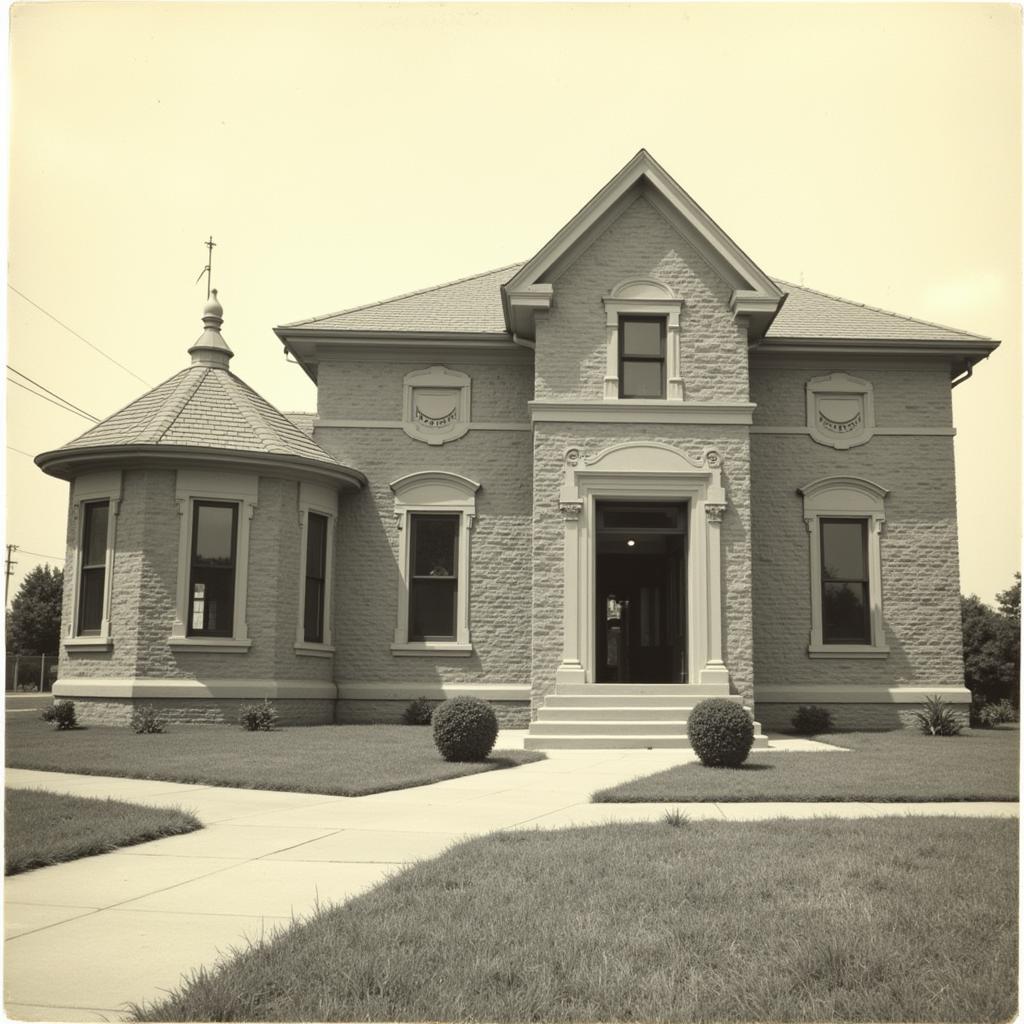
31	673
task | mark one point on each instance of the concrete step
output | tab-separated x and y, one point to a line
613	700
603	741
662	727
618	713
645	689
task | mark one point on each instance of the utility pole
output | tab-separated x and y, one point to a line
9	571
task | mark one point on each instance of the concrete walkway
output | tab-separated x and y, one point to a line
85	938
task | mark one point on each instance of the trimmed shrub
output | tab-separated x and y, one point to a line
465	729
721	733
937	718
48	714
810	719
418	712
260	717
64	714
146	719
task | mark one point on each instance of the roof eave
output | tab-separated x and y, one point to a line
67	463
979	349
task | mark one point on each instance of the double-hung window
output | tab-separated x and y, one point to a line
92	579
316	579
433	577
211	609
435	511
844	517
641	357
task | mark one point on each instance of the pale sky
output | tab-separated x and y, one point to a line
341	154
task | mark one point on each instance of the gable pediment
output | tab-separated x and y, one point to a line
754	296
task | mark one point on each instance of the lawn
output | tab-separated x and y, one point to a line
341	760
870	920
46	828
980	764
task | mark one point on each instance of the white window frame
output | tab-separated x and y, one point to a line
196	485
432	492
88	489
846	497
323	501
651	298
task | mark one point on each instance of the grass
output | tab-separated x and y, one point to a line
48	828
340	760
980	764
870	920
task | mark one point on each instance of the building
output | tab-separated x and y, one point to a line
635	460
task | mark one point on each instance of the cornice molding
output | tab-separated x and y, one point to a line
652	410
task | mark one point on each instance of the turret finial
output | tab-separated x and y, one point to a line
210	348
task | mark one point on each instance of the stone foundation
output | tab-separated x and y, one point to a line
118	710
778	717
511	714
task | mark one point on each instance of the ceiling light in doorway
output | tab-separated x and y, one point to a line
630	543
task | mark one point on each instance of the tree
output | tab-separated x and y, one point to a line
992	646
33	623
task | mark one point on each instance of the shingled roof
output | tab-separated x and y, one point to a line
473	305
204	407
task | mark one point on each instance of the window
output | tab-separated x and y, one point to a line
844	517
215	510
433	577
641	357
844	582
316	579
93	567
212	578
434	512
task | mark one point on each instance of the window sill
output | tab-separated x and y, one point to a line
86	644
442	648
209	644
846	651
309	650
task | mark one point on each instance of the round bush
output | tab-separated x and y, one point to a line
465	729
721	733
810	720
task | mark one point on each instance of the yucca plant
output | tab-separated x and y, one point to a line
937	718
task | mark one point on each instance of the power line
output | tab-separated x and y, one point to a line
96	348
52	402
28	455
25	376
56	558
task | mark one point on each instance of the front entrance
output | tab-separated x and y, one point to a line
641	592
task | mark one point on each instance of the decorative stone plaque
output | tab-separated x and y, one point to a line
436	405
840	410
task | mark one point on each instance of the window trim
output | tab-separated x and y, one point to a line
846	498
197	504
321	501
413	578
89	489
643	298
661	359
434	492
241	489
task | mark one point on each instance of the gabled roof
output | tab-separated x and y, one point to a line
470	305
808	313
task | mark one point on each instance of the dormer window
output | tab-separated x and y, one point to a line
641	357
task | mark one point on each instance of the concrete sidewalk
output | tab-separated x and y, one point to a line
85	938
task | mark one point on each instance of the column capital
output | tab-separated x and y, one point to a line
570	509
715	511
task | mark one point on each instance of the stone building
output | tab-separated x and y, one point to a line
593	488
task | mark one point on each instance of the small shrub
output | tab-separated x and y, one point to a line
418	712
147	719
810	720
48	714
260	717
675	818
64	714
990	715
937	718
465	729
721	733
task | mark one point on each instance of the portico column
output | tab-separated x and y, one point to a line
571	669
714	671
